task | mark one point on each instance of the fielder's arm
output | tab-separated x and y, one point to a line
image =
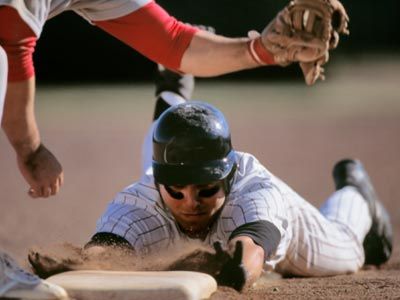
163	39
38	165
210	55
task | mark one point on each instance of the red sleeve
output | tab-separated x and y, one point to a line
19	42
154	33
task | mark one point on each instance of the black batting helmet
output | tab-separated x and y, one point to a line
192	145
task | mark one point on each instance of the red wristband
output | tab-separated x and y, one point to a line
19	41
259	53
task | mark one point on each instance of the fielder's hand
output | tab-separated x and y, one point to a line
42	171
304	31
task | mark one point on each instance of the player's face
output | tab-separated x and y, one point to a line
194	206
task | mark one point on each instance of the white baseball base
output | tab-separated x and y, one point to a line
126	285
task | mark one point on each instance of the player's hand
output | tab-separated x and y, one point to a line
42	171
63	258
232	272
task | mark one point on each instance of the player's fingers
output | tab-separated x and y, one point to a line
322	73
218	248
32	193
35	191
238	254
55	188
46	191
61	179
33	258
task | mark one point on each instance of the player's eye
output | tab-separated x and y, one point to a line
174	194
209	192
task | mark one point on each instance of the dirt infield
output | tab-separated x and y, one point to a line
296	131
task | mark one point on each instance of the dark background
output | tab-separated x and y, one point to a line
71	50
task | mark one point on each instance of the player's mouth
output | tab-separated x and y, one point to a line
195	214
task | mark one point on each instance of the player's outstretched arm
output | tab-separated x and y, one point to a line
253	258
37	164
237	267
163	39
302	32
210	54
244	263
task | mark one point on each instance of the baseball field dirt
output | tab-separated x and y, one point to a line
297	132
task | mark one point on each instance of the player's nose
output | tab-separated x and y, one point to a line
191	197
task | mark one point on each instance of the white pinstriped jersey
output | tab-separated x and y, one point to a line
139	215
36	12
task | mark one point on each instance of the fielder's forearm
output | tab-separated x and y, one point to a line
210	55
19	121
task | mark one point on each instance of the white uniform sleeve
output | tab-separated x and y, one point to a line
137	221
36	12
256	198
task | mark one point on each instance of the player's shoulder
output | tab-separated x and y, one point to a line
249	174
139	193
247	161
249	166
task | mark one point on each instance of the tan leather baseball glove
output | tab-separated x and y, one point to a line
304	31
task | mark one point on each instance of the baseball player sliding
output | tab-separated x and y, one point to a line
196	187
303	32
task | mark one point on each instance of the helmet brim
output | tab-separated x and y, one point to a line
185	174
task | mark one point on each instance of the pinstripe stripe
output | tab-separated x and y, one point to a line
135	221
148	186
255	207
122	216
241	210
149	231
312	268
108	216
298	259
156	242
